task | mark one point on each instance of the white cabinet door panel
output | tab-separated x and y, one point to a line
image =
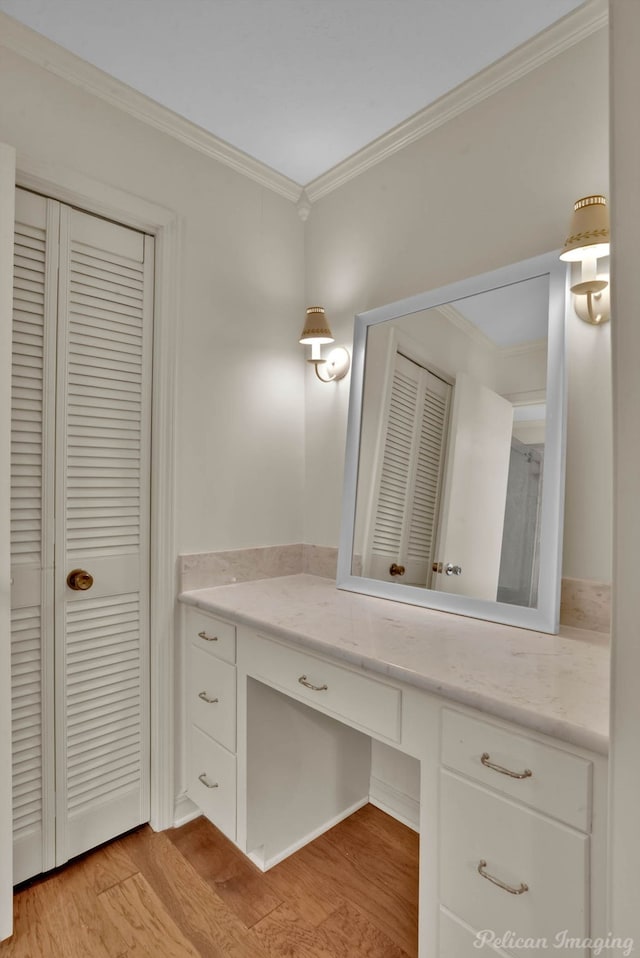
211	696
458	940
211	781
519	848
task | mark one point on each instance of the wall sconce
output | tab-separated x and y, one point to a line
588	240
316	333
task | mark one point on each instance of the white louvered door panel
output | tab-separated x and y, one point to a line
80	474
405	507
32	439
424	495
102	526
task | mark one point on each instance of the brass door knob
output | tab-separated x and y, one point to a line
79	580
395	569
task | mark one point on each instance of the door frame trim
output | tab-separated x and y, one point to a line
93	196
7	195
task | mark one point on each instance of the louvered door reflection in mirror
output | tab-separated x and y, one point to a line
400	539
455	448
80	476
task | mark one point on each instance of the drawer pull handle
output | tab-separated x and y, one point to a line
496	881
205	698
203	778
315	688
484	758
207	638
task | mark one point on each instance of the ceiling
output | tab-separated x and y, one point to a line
299	85
510	315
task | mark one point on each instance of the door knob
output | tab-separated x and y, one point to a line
79	580
395	569
451	569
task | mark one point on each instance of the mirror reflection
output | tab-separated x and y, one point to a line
452	442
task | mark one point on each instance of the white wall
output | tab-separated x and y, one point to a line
624	851
493	186
240	420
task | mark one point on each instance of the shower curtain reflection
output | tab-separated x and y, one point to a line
520	556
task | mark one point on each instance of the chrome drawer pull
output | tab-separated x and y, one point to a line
207	638
203	778
316	688
484	758
496	881
205	698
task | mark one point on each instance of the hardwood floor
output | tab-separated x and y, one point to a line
189	893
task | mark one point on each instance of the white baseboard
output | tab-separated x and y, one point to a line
184	810
391	800
258	859
386	797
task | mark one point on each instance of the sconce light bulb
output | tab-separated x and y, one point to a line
580	253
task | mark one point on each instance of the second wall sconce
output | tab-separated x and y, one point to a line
316	333
588	240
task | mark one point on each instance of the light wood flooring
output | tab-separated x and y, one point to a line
189	893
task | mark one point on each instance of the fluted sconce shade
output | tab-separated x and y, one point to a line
316	328
589	230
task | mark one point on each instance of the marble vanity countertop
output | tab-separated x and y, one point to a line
554	684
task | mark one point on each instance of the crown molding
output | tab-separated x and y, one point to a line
49	55
520	349
304	206
527	397
453	316
554	40
560	36
475	334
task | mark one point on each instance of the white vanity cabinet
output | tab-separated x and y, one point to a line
211	711
512	820
515	847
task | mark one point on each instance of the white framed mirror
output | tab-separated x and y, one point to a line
454	470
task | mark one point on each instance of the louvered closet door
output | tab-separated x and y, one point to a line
80	472
102	526
403	524
32	448
425	491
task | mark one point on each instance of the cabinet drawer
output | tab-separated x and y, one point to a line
211	694
459	941
559	784
211	634
357	699
518	846
212	781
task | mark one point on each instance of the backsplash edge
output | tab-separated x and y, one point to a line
585	604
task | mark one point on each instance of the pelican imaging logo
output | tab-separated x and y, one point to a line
610	945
